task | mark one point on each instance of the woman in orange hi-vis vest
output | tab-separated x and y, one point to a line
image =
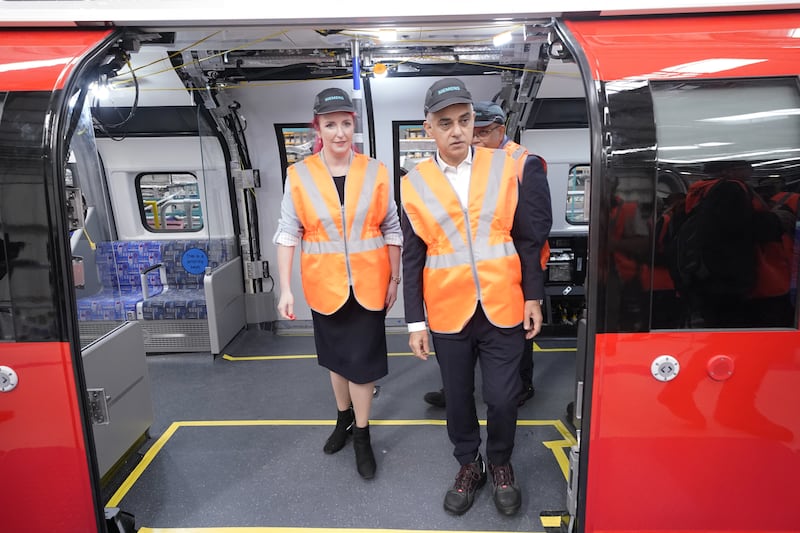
338	206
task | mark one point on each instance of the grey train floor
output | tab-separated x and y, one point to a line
237	443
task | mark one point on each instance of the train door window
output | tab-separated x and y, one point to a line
578	194
727	233
411	145
7	253
169	202
295	143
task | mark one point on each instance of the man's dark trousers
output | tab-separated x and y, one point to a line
499	352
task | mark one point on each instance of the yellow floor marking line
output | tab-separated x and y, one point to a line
560	447
237	358
144	463
537	348
556	447
296	530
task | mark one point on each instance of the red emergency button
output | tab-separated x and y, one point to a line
720	367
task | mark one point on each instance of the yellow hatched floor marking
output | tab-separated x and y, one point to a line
236	358
558	448
549	521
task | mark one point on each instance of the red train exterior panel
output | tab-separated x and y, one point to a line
42	60
47	473
695	450
43	455
715	448
684	47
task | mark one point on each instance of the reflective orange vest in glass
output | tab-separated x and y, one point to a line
470	252
333	259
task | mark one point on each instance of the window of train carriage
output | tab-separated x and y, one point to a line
578	194
727	239
566	114
169	202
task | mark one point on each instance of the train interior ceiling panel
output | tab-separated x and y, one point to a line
203	410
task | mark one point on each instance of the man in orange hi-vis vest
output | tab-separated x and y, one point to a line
471	267
490	132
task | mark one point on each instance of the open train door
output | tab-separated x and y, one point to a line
689	413
49	472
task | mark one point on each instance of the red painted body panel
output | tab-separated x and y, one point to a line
716	448
46	482
41	60
695	453
675	48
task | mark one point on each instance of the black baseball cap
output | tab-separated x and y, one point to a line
446	92
333	100
488	113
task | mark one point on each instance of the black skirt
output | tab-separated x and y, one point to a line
352	342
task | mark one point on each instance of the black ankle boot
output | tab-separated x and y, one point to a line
344	426
365	459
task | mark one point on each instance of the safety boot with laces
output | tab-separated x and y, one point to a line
506	495
469	479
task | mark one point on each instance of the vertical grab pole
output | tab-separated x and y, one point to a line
358	97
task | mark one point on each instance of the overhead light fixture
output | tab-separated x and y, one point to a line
387	35
502	38
380	70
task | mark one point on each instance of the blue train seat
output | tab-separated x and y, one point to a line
188	294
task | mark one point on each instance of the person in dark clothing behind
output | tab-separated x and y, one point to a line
490	132
471	261
716	250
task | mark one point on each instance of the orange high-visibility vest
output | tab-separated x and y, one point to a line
520	154
776	261
470	252
342	246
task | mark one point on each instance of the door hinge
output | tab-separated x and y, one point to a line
98	406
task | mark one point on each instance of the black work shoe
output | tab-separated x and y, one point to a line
469	479
344	427
365	459
527	394
506	495
435	398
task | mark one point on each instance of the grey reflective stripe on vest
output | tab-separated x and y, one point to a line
355	244
480	245
492	191
438	211
519	152
336	243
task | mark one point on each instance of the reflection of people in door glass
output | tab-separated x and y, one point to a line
722	248
8	252
630	225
